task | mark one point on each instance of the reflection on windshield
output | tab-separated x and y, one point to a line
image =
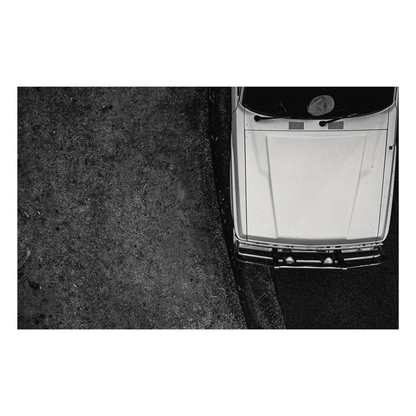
323	104
316	102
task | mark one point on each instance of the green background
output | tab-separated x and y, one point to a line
208	34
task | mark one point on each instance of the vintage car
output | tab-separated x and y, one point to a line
312	174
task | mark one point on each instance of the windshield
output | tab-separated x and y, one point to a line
316	102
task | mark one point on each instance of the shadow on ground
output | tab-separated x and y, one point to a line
255	285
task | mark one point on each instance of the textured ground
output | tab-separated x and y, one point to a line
121	223
118	221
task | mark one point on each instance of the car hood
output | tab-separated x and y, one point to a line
314	187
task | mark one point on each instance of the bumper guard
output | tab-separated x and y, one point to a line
341	258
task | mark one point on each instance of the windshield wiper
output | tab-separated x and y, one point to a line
323	123
257	118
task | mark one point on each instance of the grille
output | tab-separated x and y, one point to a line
296	125
336	125
317	259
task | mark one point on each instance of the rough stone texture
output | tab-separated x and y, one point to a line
118	221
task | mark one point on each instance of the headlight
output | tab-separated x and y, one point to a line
289	260
254	247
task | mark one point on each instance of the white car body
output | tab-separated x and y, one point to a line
307	195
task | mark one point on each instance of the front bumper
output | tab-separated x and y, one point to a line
337	257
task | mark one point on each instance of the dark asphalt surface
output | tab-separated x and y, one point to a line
362	298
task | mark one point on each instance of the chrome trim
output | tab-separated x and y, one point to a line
363	258
308	261
365	255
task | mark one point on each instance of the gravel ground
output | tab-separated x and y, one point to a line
255	285
118	221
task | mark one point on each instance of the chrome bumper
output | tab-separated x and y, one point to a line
341	258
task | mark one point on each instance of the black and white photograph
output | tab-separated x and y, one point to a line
208	208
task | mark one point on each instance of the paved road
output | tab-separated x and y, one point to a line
365	298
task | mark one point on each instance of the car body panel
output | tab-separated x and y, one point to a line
314	186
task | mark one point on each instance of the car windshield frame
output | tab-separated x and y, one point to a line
317	103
